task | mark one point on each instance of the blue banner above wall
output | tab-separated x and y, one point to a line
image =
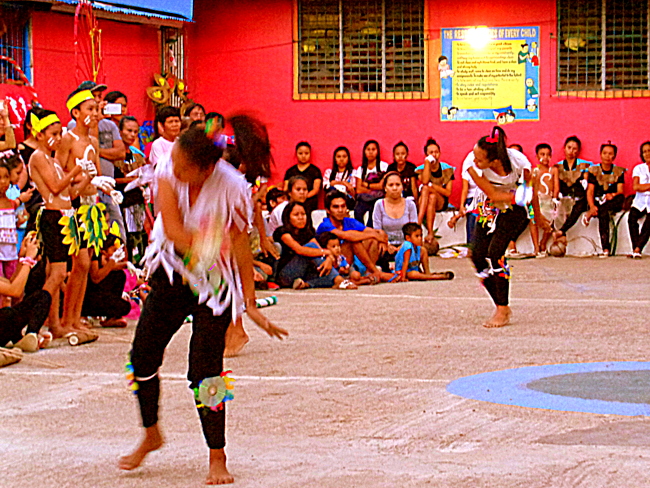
182	10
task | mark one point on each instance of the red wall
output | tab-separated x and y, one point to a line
131	56
241	58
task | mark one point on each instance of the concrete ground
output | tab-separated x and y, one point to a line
356	397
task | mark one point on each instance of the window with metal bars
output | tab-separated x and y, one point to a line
603	45
361	47
14	42
173	57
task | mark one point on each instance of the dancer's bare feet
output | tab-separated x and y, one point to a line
152	441
501	318
236	339
60	331
218	474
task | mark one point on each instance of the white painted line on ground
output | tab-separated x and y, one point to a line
179	377
581	301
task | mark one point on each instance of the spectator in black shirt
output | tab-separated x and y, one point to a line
308	171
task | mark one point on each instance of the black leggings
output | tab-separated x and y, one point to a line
639	239
489	248
162	316
579	207
609	207
31	312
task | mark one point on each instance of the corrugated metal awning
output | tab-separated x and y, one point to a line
181	10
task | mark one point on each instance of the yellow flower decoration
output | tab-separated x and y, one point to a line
71	233
94	225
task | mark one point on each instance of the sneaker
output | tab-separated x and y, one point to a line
604	255
29	343
511	253
637	255
541	254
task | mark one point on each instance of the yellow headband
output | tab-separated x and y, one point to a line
79	98
39	125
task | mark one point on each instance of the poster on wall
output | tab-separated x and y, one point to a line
489	74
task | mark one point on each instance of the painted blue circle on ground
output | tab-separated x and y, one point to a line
615	388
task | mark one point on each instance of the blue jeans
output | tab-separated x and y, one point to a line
305	268
470	222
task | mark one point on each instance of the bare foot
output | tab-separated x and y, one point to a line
152	442
60	331
236	339
501	318
218	474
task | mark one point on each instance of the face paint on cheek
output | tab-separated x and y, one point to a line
51	141
87	120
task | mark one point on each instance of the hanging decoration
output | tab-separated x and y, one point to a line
87	44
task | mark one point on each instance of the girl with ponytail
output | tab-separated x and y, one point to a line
201	265
502	215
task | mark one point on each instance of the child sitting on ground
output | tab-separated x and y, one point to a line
329	241
411	255
106	282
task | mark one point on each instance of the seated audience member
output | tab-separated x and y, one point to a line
275	197
29	315
369	186
605	192
106	284
405	169
393	211
341	175
543	178
297	192
412	258
357	240
437	184
297	267
641	203
467	199
309	172
329	241
571	182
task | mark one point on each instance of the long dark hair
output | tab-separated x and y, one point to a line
251	144
335	167
646	143
495	147
308	232
364	159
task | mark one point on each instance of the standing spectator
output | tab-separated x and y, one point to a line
133	204
120	99
641	203
168	126
195	112
307	170
468	208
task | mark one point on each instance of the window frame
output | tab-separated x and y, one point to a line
602	92
174	99
406	95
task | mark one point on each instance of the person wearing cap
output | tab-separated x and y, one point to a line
111	148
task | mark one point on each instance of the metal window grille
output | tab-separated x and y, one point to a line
14	41
173	57
361	46
603	45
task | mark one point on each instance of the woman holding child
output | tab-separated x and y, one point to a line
297	267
